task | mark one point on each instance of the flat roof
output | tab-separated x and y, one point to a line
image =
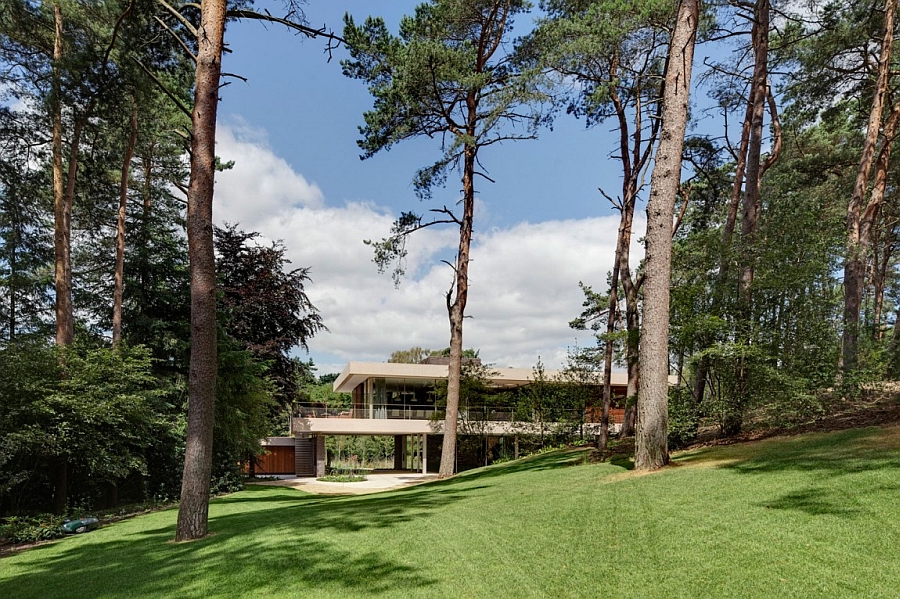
357	372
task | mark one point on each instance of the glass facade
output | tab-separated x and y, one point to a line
395	398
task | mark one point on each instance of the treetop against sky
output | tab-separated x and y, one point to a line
541	227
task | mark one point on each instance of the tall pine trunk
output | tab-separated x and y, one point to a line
62	208
651	444
613	308
456	305
750	212
120	229
634	154
857	247
870	214
62	235
193	510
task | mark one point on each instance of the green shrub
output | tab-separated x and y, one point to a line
28	529
343	478
684	417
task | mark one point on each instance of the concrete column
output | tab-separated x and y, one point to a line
399	451
320	455
424	453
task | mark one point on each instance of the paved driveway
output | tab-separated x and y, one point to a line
380	481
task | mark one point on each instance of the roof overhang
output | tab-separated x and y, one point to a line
358	372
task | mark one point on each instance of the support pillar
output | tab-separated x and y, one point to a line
320	455
399	451
424	453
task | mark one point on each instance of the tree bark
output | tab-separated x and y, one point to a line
634	154
752	200
120	230
457	307
613	307
887	250
750	211
193	510
651	445
62	207
855	264
873	208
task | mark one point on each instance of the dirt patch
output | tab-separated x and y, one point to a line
878	409
887	441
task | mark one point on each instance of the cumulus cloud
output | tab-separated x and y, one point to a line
523	279
260	184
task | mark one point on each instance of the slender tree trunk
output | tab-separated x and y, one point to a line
635	154
193	511
887	250
457	307
622	242
651	446
613	307
62	232
632	357
13	274
876	199
750	212
120	230
752	199
855	264
65	326
727	234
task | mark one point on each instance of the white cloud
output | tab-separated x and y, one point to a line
523	279
260	184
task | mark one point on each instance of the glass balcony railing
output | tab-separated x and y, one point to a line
466	413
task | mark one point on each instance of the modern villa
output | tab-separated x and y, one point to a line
401	400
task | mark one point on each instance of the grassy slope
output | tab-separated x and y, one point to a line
810	516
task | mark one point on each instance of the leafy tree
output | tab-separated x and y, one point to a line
321	392
244	403
447	74
413	355
264	306
844	60
25	246
614	52
96	410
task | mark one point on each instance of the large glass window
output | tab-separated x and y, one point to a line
403	398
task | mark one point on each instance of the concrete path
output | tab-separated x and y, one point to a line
377	482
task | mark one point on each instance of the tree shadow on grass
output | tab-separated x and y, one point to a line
817	500
833	454
826	456
264	540
551	460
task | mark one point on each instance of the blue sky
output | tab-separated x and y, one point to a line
539	230
311	113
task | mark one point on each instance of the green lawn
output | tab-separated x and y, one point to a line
810	516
